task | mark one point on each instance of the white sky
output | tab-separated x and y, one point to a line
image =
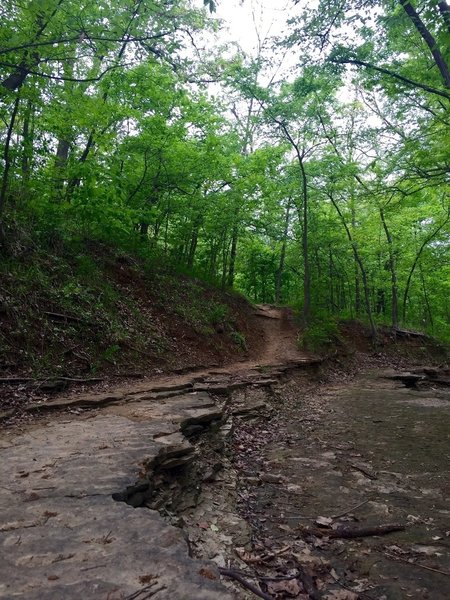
247	19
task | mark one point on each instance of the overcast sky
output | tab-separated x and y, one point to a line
245	20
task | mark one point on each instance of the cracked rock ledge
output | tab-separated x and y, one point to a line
82	498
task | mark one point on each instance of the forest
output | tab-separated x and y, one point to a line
313	172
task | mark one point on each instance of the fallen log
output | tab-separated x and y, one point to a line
350	531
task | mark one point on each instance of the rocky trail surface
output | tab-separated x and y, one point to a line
254	480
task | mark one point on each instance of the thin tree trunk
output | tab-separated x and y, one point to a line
233	250
7	166
280	270
27	144
425	295
225	253
360	264
357	285
75	182
416	260
307	270
392	269
331	278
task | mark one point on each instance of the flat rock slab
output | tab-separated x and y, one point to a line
63	536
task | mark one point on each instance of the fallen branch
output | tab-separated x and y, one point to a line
76	379
13	380
416	564
148	591
350	532
350	510
249	586
62	317
364	471
264	577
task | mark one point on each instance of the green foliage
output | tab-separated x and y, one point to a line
218	313
321	335
239	339
326	185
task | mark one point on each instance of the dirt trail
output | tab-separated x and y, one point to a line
367	452
280	348
247	461
280	334
63	535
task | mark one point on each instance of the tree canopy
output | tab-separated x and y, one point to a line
324	185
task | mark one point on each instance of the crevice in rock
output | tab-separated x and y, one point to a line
192	480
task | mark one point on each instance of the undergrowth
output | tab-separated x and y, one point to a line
74	304
320	335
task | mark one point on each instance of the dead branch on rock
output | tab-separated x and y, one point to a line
416	564
364	471
350	510
147	591
350	532
249	586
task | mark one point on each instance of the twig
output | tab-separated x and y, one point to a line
263	577
416	564
363	471
148	588
350	510
360	593
61	317
249	586
92	568
350	532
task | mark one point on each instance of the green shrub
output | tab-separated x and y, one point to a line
239	339
218	314
322	333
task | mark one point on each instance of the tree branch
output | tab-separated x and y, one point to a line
410	82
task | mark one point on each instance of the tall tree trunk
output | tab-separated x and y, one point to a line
360	264
425	296
393	272
429	40
193	244
27	144
6	168
233	250
331	278
305	247
357	283
280	270
65	136
225	253
416	260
